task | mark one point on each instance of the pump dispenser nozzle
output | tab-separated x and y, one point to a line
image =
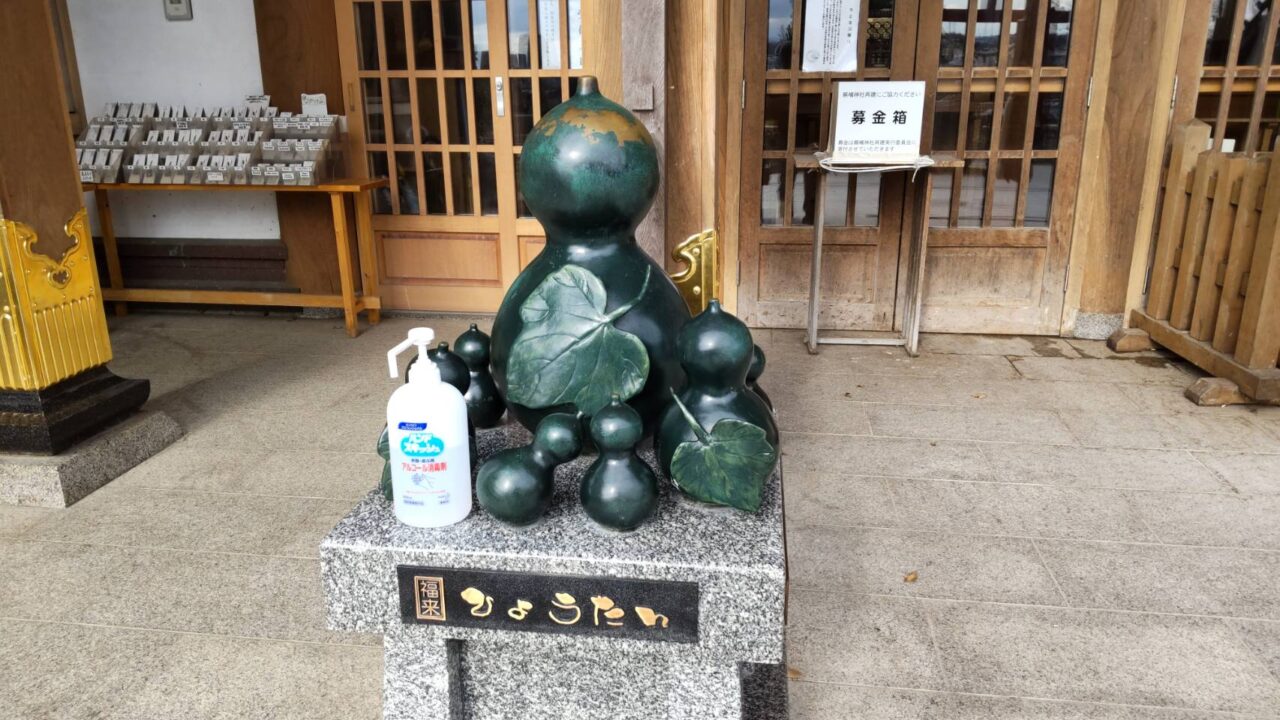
420	336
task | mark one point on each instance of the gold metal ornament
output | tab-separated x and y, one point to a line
52	324
699	281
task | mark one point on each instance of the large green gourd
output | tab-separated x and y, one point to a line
589	173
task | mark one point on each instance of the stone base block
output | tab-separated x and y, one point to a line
1216	392
49	421
489	678
1096	326
1127	340
453	658
61	480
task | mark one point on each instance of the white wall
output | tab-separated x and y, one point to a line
127	51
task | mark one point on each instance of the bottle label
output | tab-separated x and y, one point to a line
429	467
420	445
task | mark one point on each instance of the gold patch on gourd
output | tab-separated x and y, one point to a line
598	124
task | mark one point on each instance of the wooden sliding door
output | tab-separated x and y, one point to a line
1007	85
1011	80
786	111
440	96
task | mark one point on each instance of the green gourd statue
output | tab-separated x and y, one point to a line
715	350
484	405
384	452
453	371
619	491
754	372
516	485
452	368
592	314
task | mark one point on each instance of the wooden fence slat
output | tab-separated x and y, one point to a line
1217	241
1188	142
1258	345
1208	168
1231	301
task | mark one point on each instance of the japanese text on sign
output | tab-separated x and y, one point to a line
877	122
639	609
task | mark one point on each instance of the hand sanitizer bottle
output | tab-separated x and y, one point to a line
430	457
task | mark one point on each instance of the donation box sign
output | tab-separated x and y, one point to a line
877	122
655	610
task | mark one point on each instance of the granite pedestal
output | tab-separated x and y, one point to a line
58	481
731	667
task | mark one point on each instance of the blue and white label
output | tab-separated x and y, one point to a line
411	426
421	445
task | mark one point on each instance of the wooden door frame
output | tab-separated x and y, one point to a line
1094	202
728	152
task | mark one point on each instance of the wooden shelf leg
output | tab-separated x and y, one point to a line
368	251
815	267
109	245
344	262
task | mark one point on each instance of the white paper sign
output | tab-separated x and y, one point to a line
315	104
878	122
549	34
830	36
575	34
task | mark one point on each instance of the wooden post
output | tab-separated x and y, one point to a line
368	250
1188	142
344	261
1258	345
1205	189
1217	243
109	246
1243	237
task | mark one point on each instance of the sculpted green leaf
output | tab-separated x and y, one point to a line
569	351
727	466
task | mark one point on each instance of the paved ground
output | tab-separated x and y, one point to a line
1002	528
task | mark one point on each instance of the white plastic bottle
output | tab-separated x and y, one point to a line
430	450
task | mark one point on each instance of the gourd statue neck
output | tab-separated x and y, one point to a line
714	386
541	458
590	239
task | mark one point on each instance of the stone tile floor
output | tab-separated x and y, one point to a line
1001	528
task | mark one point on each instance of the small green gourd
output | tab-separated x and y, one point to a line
484	405
452	369
619	491
715	351
516	485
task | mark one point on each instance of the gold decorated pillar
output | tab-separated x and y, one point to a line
54	385
51	322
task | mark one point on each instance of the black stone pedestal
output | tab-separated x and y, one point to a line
49	421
